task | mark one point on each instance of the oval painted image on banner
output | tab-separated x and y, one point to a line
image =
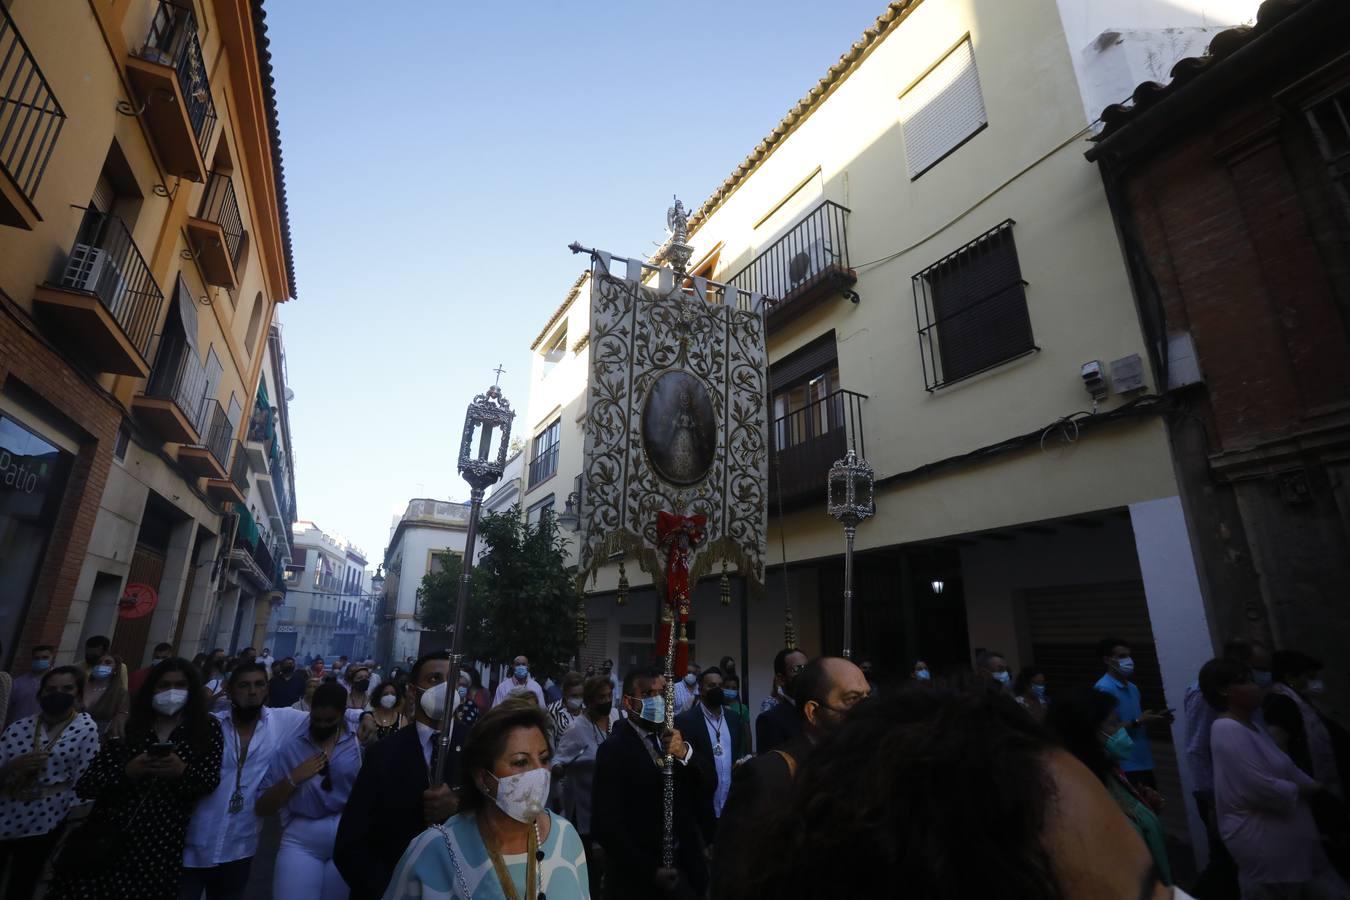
678	428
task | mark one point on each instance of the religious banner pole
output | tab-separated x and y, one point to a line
488	412
676	435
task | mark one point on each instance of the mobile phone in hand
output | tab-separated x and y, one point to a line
162	749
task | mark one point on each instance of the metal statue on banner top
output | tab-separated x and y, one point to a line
676	439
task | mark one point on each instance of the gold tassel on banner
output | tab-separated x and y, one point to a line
621	598
726	585
789	629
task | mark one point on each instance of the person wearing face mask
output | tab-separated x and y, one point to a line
309	781
504	842
358	686
1030	692
287	684
564	711
1262	798
781	722
42	756
574	763
732	701
1088	726
921	672
222	836
393	799
520	682
626	800
686	689
105	698
715	733
826	690
23	697
137	678
1119	683
468	709
991	667
144	787
386	712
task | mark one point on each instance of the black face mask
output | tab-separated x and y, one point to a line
712	697
322	734
603	710
247	713
361	685
56	704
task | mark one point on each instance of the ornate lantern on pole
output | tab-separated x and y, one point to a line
850	500
487	423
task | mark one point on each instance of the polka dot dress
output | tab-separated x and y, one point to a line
34	809
153	813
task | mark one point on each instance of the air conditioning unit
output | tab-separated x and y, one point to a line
93	269
807	263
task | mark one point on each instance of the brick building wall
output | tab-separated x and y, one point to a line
29	364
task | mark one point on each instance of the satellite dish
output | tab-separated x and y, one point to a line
290	395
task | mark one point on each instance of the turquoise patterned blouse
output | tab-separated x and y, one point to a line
451	862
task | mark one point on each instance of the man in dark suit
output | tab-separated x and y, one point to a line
825	691
392	802
626	799
715	733
780	723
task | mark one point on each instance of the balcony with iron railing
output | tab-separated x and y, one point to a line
217	232
234	488
173	396
805	442
803	268
261	436
104	306
171	92
210	459
544	466
30	122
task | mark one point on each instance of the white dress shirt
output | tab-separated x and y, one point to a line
214	834
511	686
719	732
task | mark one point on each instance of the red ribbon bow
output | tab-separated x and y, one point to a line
679	535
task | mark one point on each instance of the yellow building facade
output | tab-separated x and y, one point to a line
145	251
947	298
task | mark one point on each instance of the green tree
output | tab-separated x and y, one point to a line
522	601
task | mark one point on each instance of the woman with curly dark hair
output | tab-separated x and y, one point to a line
144	787
946	795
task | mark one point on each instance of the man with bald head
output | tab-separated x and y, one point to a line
824	691
519	684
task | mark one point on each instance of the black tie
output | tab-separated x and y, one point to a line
432	741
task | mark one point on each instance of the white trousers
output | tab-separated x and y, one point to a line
304	866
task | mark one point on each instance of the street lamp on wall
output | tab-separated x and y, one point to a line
937	585
850	500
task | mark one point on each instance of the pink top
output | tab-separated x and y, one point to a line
1264	823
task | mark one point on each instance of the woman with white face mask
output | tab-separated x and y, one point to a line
503	842
566	709
144	787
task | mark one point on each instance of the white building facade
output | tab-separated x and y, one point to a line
427	533
326	582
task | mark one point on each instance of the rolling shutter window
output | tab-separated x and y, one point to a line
596	649
233	414
942	110
816	357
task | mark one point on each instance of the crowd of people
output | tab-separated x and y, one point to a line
154	783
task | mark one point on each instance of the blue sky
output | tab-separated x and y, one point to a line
439	158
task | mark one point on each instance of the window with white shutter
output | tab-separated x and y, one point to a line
942	110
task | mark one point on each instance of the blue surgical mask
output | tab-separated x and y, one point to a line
730	694
463	691
102	671
654	709
1126	666
1001	677
522	671
1120	745
690	680
41	665
1038	690
924	675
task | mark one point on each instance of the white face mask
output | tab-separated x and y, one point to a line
169	702
574	704
433	701
389	701
1001	677
522	797
1316	686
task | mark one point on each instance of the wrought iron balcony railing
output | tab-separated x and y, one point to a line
544	466
179	378
220	205
239	469
30	117
805	442
217	433
104	261
172	41
804	266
